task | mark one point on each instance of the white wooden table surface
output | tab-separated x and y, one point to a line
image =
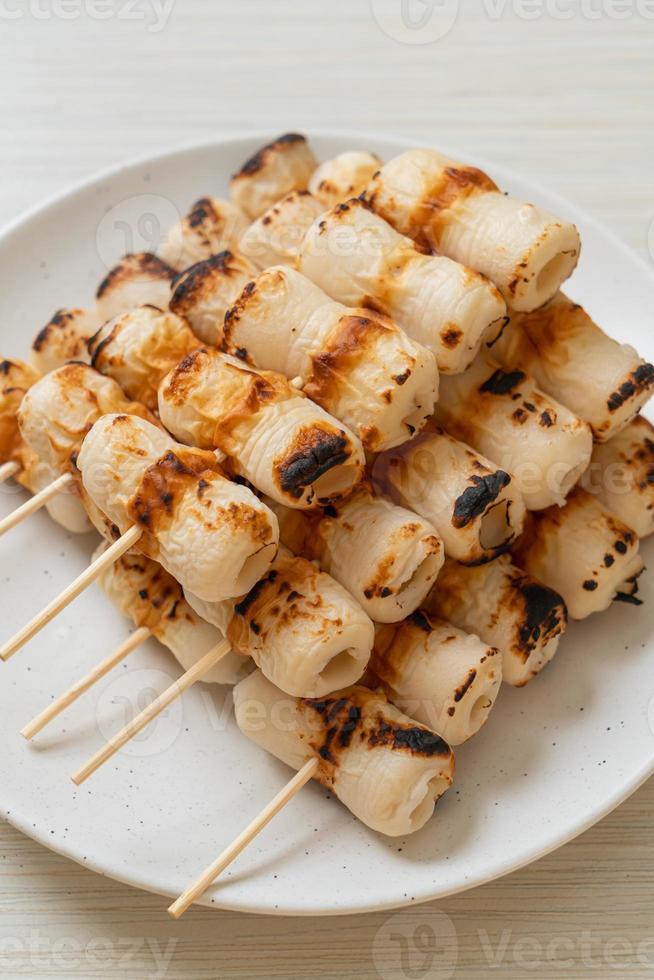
562	90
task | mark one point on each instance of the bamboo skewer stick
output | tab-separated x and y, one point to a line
155	708
35	503
61	703
7	470
293	787
82	582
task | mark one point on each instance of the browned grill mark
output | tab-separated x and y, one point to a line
451	336
452	185
257	162
640	380
152	596
146	263
461	691
196	282
97	344
355	713
241	608
60	320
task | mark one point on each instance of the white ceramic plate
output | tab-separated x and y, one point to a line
553	759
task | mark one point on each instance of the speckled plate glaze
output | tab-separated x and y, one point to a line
553	759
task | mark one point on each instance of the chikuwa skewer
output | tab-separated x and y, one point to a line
154	602
385	767
285	795
317	643
60	704
155	707
82	582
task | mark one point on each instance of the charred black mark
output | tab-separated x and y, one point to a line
143	593
546	419
419	619
60	319
544	611
342	716
641	379
187	281
475	499
254	626
608	560
241	353
307	465
465	687
502	382
242	607
96	351
631	599
401	379
589	585
621	547
418	741
145	262
200	211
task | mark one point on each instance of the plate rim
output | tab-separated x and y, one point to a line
575	212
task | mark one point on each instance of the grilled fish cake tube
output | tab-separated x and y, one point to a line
60	408
276	237
475	507
584	553
204	292
439	675
621	475
358	365
274	171
214	536
35	474
284	444
573	360
64	338
344	177
459	211
386	556
303	630
388	770
210	227
507	608
139	279
503	415
146	594
356	257
138	349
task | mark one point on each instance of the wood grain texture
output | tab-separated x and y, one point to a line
567	101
